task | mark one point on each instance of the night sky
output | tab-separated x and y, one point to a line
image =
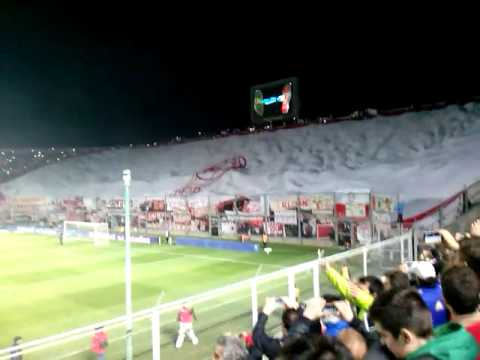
88	75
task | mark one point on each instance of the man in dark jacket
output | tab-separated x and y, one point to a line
375	349
295	322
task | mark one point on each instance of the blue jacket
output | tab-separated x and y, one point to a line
434	300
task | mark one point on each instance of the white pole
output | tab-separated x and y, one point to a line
156	334
316	279
410	247
365	270
254	302
128	267
402	250
291	286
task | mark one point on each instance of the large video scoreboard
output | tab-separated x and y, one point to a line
274	101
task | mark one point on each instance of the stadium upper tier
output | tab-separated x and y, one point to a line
421	155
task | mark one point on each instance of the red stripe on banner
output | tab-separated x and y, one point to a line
424	214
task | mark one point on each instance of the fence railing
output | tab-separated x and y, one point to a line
230	308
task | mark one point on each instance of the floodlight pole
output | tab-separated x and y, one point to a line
128	267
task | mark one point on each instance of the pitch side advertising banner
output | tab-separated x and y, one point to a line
352	204
383	203
288	217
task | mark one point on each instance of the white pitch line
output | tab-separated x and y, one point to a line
215	258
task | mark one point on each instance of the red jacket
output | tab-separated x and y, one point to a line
99	342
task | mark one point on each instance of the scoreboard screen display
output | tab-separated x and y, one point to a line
274	101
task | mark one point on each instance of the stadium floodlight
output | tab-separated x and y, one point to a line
128	266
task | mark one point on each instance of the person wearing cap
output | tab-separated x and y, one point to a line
430	290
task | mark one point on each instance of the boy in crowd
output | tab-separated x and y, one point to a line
460	289
404	324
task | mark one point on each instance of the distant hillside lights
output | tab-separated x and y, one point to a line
14	164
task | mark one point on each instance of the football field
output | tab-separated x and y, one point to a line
46	289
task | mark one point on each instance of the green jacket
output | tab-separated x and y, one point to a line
450	342
363	300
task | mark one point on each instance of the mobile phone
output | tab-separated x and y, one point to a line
432	237
330	309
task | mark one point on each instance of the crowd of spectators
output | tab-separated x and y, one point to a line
426	309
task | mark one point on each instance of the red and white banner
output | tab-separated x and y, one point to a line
27	205
283	203
182	218
352	205
153	216
156	204
275	229
322	204
177	204
198	207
